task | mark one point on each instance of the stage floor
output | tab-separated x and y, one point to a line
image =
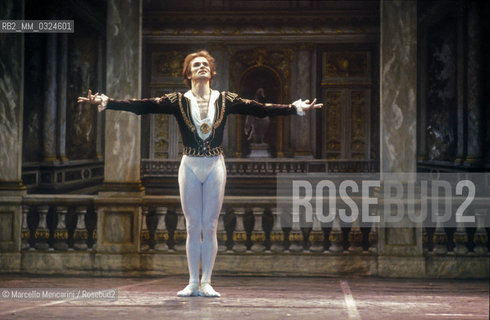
245	298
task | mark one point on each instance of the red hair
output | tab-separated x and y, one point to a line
187	61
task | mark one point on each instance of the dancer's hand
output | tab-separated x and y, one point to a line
99	100
301	105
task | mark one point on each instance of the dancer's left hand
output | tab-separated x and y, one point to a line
301	105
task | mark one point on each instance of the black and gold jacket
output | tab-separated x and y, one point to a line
180	106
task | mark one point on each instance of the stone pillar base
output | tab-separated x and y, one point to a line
118	224
10	220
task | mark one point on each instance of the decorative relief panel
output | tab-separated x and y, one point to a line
333	104
359	120
167	64
346	89
346	64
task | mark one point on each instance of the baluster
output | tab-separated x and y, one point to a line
171	223
460	239
80	235
277	235
440	239
239	236
221	233
151	224
373	239
336	236
355	237
305	234
425	240
229	221
180	231
286	219
41	235
25	232
267	225
161	233
316	236
94	231
248	224
61	233
296	238
258	235
145	233
480	238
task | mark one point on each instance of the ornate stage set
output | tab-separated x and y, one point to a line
83	192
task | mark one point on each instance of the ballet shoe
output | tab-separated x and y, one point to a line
206	290
191	290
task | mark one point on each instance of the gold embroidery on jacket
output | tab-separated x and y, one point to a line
222	112
231	96
193	152
171	96
184	115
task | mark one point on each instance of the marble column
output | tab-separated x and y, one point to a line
101	87
400	246
50	101
11	117
473	87
301	127
460	64
122	129
62	84
119	211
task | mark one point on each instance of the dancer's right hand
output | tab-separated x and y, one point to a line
99	100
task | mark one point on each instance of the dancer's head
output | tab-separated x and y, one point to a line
187	67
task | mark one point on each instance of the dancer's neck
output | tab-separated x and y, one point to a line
201	89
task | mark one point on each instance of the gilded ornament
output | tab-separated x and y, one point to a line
205	128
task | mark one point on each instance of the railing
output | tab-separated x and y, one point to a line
246	225
268	167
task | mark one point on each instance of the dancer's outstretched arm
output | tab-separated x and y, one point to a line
239	105
165	104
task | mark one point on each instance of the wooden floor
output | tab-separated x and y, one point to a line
249	298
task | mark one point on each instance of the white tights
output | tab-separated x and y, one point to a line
202	186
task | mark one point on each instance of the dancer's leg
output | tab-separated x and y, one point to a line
213	195
191	199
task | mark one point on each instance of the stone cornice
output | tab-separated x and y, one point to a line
280	25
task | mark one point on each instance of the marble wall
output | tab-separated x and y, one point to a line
81	119
11	94
34	87
441	94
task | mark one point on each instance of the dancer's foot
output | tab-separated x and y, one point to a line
191	290
206	290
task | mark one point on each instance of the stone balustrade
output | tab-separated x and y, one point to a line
246	225
68	234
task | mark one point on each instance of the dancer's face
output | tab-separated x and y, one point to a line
200	69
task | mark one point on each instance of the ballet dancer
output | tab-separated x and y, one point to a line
201	114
